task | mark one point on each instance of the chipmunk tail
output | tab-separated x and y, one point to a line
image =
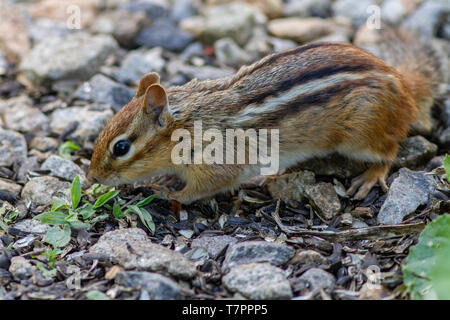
421	62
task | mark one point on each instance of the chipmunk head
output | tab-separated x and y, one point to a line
136	140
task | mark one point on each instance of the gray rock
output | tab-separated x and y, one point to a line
201	73
32	226
90	122
21	268
308	8
139	62
10	186
446	113
393	11
257	251
309	257
214	244
291	186
44	144
230	54
163	33
234	20
43	29
144	254
258	281
428	17
415	151
444	138
30	164
316	279
301	30
355	10
182	9
41	190
156	286
3	64
324	199
279	45
63	168
122	25
13	148
407	192
77	56
154	9
100	89
22	117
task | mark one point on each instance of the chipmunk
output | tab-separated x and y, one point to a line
322	97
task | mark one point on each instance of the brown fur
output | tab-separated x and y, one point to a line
349	101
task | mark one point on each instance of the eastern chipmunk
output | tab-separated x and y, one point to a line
323	97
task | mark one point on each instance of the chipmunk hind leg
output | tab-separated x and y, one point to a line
377	173
362	184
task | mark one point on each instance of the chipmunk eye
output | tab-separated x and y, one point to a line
121	148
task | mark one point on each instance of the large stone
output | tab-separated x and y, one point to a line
213	244
428	17
139	62
21	268
234	20
156	286
257	251
63	168
407	192
201	73
143	255
13	148
14	37
290	186
41	190
90	122
307	8
22	116
415	151
10	186
259	281
100	89
301	29
75	57
230	54
316	279
324	199
358	11
163	33
122	25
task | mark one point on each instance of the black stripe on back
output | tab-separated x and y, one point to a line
284	86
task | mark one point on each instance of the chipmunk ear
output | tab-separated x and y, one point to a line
155	103
145	82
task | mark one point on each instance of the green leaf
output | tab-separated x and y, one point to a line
117	211
146	201
58	203
65	147
428	262
86	211
97	295
105	198
75	192
99	218
52	218
45	272
144	216
447	166
57	237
